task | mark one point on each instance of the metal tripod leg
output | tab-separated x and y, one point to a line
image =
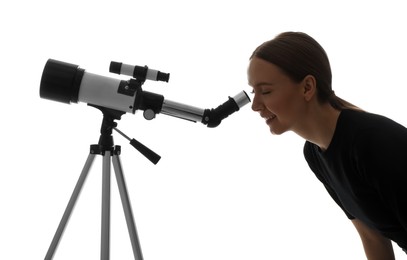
105	235
126	206
105	227
125	203
69	208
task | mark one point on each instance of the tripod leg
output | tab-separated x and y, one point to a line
127	208
69	208
105	236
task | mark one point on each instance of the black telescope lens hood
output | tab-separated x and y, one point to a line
61	81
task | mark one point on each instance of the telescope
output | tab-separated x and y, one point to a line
68	83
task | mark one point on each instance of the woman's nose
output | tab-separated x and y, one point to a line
256	104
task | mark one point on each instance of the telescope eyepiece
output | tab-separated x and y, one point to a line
161	76
213	117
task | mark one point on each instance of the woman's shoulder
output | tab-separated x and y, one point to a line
368	130
366	121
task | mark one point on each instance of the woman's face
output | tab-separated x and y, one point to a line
277	98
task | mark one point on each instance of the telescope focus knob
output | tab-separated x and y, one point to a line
149	114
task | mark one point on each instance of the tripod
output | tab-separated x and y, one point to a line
110	153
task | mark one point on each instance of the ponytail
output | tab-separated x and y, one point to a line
341	104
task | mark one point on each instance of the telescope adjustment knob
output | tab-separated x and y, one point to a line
149	114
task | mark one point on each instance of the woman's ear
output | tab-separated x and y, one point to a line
309	86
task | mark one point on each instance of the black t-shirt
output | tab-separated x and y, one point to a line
364	170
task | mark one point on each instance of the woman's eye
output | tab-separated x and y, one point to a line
261	92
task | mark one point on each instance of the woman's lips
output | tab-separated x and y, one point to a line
269	119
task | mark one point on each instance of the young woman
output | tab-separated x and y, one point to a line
360	157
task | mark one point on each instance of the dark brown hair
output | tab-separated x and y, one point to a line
299	55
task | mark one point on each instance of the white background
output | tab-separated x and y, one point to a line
233	192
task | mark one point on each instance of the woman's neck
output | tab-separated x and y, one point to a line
319	125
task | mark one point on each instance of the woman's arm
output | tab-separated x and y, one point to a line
376	246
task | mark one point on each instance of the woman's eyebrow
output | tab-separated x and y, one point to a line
259	84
